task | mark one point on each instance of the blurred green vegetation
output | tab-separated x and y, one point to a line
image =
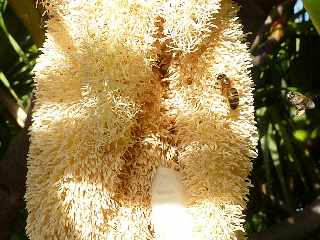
313	8
18	55
17	58
286	173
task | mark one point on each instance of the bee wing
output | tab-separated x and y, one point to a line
310	104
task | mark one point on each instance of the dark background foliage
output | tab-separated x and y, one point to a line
286	175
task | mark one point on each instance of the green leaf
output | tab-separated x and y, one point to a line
274	153
288	144
13	42
313	8
301	135
6	83
3	6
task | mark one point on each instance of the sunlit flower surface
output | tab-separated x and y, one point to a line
124	88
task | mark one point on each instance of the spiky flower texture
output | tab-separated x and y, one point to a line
124	88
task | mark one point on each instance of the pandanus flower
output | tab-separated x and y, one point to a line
128	99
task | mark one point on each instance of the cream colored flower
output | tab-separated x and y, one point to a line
126	87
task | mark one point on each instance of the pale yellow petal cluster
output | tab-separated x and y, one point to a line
124	87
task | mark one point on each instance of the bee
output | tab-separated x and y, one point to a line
300	102
228	91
